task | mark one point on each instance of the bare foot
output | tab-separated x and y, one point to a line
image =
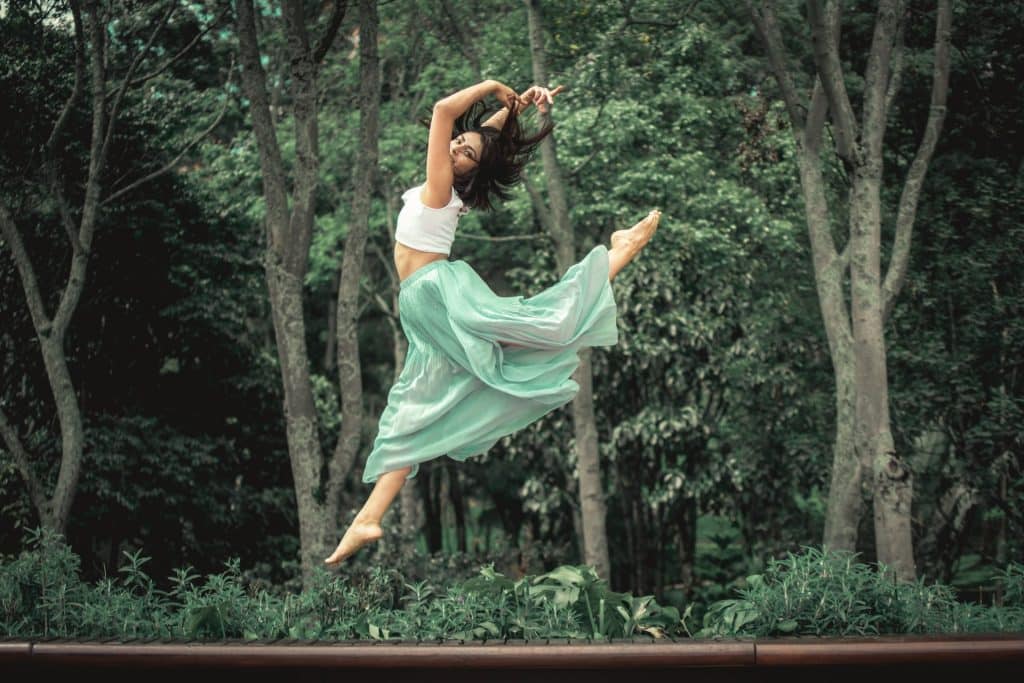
640	234
626	244
358	535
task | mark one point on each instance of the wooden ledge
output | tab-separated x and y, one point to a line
989	652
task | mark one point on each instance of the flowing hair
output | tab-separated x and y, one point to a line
504	154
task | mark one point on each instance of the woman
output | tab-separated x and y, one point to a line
479	366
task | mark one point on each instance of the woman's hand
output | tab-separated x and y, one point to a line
505	94
540	96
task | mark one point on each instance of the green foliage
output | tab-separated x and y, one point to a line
39	590
1011	581
813	593
42	595
830	593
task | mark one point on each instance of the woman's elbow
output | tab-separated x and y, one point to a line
443	108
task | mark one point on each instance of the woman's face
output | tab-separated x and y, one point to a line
465	152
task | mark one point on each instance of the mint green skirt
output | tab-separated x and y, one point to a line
481	366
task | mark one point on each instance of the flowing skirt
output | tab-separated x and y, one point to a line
481	366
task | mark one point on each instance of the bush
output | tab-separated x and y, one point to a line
815	593
42	595
821	593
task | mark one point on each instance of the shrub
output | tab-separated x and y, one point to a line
814	593
823	593
41	595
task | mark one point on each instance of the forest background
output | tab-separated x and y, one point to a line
715	415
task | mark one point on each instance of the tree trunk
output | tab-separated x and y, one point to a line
350	380
289	226
430	494
53	511
331	347
409	504
686	539
856	340
592	504
458	507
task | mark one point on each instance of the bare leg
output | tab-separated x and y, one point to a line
365	528
626	244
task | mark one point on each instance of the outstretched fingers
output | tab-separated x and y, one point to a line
540	96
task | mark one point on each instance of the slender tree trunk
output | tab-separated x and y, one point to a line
409	504
364	176
430	494
331	347
592	503
51	329
846	498
686	540
458	507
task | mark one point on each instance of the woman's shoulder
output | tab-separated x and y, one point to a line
413	196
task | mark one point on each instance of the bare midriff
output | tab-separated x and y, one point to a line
409	260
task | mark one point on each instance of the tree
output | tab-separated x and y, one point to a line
289	228
864	453
99	38
554	216
350	380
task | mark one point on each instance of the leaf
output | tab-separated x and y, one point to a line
655	631
787	626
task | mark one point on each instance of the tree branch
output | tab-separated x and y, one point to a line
388	267
919	167
306	171
29	283
384	307
461	40
597	147
364	172
254	83
82	245
23	462
539	207
825	35
327	39
50	149
126	82
896	75
181	53
816	119
768	31
807	133
876	77
173	162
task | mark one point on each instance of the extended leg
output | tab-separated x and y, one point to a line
626	244
365	528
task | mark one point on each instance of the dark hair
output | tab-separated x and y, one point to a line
502	158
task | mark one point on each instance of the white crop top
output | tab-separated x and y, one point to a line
424	228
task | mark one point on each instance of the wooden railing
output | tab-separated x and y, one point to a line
996	657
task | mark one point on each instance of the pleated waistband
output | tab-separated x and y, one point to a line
421	271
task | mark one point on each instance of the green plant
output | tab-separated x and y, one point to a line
813	593
821	593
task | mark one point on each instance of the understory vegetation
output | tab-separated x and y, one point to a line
815	592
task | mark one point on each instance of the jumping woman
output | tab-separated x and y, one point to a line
479	366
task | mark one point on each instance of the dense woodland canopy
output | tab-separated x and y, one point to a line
715	414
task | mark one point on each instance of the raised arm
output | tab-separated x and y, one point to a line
437	191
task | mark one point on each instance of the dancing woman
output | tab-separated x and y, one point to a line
478	366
